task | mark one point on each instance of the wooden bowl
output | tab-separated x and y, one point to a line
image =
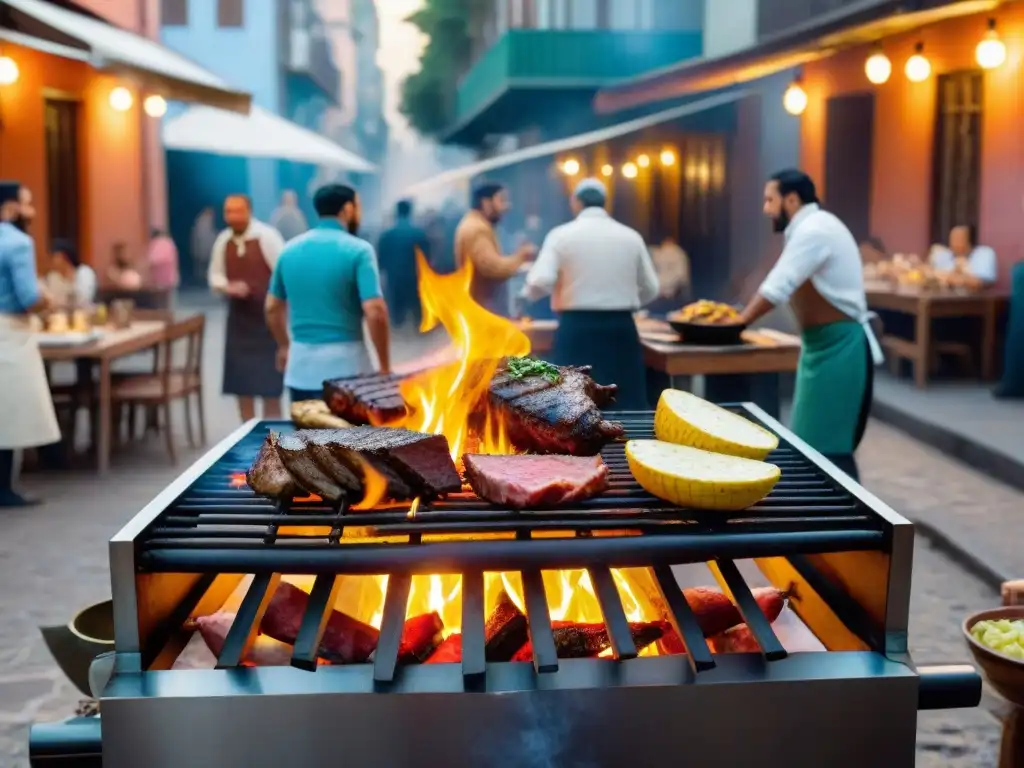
1006	674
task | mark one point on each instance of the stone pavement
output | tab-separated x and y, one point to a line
53	560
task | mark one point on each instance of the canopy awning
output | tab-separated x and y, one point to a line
550	148
258	134
112	49
856	23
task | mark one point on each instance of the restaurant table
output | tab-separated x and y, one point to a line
928	305
111	345
729	373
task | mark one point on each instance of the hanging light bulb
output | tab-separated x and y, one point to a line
668	157
643	161
918	68
607	170
629	170
571	167
878	68
121	99
794	100
991	51
155	106
8	71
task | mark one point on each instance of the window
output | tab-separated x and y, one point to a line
956	177
62	166
230	13
174	13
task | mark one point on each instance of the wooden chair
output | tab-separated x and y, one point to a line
172	381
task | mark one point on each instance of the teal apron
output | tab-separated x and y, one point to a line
834	383
1013	368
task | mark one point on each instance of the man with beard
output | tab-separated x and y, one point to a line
243	258
27	418
324	286
821	276
477	242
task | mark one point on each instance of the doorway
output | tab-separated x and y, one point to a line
62	175
849	149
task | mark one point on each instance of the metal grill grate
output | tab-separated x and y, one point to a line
214	527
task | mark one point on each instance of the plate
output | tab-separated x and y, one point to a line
68	338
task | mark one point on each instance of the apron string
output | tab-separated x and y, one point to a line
877	355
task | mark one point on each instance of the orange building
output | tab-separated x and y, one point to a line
80	102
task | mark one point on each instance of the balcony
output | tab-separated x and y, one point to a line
305	50
529	72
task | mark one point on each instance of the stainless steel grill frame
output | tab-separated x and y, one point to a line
845	546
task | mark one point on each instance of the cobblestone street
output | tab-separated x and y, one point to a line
53	561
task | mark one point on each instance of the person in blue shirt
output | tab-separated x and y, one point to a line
324	286
397	250
27	417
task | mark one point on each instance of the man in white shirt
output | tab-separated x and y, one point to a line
241	264
820	275
974	265
599	273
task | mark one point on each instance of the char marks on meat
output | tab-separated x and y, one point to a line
579	641
505	631
531	481
372	399
334	462
268	475
560	416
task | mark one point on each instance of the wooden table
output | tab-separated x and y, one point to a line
728	371
925	306
111	346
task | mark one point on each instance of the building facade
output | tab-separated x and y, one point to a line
277	50
92	159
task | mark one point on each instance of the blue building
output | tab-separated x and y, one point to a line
278	51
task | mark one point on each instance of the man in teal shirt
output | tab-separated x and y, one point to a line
324	286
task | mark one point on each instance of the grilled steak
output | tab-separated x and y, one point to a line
268	475
332	463
265	651
526	481
560	416
370	399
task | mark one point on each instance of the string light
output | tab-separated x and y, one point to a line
607	170
668	157
629	170
643	161
121	99
155	106
571	167
918	68
794	100
991	51
878	68
8	71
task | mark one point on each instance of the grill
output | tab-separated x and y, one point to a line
845	556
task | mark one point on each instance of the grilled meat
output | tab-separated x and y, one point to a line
268	475
737	640
345	640
580	641
505	630
448	652
265	651
525	481
560	416
420	636
716	613
334	462
370	399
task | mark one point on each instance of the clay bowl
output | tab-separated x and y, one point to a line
1004	673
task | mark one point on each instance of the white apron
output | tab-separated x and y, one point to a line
27	418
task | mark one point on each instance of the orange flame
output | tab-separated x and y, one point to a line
375	486
238	480
441	401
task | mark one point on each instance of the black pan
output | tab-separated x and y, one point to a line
707	333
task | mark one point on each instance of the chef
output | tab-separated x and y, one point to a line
599	272
241	263
27	418
820	275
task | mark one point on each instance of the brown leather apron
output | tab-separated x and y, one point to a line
250	350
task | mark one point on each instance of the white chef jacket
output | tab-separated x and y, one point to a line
271	243
593	263
819	247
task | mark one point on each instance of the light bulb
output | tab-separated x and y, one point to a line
668	157
878	68
991	51
8	71
571	167
794	100
643	161
155	106
918	68
121	99
607	170
629	170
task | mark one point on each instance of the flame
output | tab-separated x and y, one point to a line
238	480
440	401
375	486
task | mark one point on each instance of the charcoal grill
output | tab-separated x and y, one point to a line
845	554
